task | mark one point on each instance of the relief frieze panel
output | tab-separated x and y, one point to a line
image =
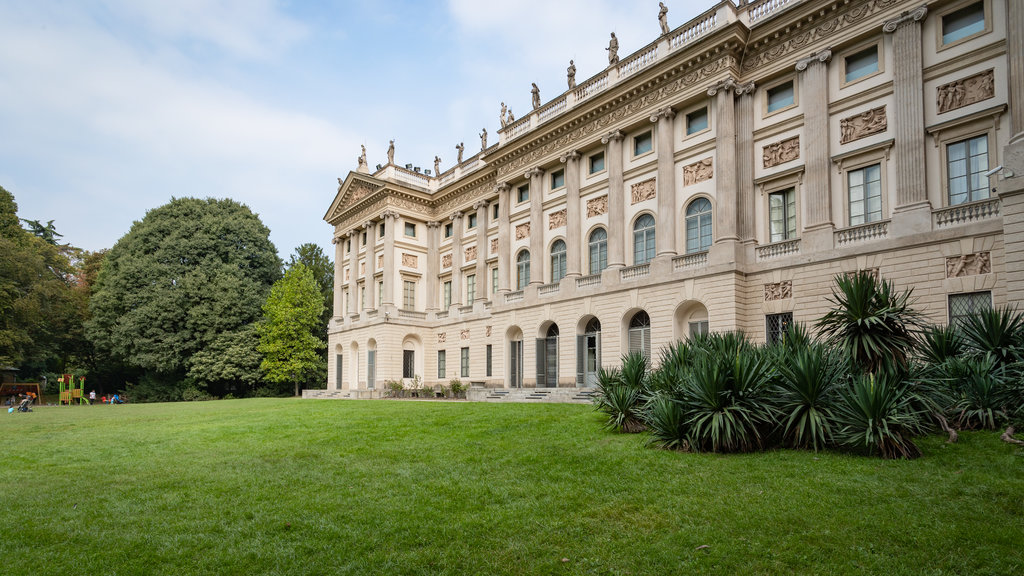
699	171
778	290
965	91
494	245
557	219
487	331
597	206
864	124
523	231
442	337
968	265
642	191
380	261
470	254
781	152
409	260
446	260
464	334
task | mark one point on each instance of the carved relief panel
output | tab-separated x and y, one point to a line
968	265
642	191
965	91
464	334
487	331
380	261
556	219
470	254
781	152
864	124
494	245
698	172
523	231
778	290
409	260
442	337
446	260
597	206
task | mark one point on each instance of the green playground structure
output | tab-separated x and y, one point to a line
69	392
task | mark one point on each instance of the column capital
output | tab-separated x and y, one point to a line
570	155
336	240
433	224
389	215
667	112
909	16
533	172
614	135
745	89
368	225
480	204
722	85
822	56
503	187
457	215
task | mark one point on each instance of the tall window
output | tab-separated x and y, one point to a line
557	261
598	251
547	359
522	269
408	295
964	22
344	301
471	221
698	225
380	293
494	212
861	64
408	363
966	165
781	96
447	294
643	239
640	334
464	363
362	297
865	186
470	288
448	229
782	215
490	361
442	370
776	325
961	306
494	280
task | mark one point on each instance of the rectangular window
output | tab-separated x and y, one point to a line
490	357
364	239
465	363
471	221
861	64
470	288
494	280
643	143
447	294
698	328
362	297
782	215
597	163
371	369
523	193
781	96
344	301
960	24
865	188
441	369
339	372
381	228
408	363
448	230
380	293
408	295
557	179
961	306
776	325
966	165
494	211
697	121
410	229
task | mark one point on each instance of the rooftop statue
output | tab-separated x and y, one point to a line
570	72
613	50
663	18
362	157
460	147
391	152
483	140
511	118
504	110
536	96
437	165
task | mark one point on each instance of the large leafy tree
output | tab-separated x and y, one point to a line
291	350
188	275
313	258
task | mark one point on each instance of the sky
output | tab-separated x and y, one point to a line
110	108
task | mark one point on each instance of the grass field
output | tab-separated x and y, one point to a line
270	486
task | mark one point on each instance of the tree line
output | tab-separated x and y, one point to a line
192	303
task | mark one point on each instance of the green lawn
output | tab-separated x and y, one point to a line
268	486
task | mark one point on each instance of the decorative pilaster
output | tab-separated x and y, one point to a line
616	200
481	253
390	221
745	193
457	230
814	100
339	276
908	109
537	266
1015	56
572	217
433	263
666	222
725	152
371	264
353	272
504	241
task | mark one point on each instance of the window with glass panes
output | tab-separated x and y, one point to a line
490	356
494	280
861	64
408	363
776	325
962	306
442	370
597	163
470	288
639	334
408	295
447	294
698	225
966	165
698	328
643	143
598	251
557	179
782	215
471	221
464	363
522	270
781	96
864	186
523	193
697	121
643	239
967	21
557	261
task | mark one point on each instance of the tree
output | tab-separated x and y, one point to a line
189	273
291	314
314	259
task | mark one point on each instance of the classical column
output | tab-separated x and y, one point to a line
339	276
617	238
572	213
908	107
666	222
504	239
457	230
725	152
745	192
390	221
814	100
1015	55
371	265
537	266
481	253
353	272
433	263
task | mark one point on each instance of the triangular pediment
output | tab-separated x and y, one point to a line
354	189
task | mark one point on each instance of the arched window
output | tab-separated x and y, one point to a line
557	261
640	334
598	251
522	269
698	225
643	239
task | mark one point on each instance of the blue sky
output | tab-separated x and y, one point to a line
108	108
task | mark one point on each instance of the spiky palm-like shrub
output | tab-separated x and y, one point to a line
996	331
980	392
877	413
666	422
806	391
936	344
872	322
620	394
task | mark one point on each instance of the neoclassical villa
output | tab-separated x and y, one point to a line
716	179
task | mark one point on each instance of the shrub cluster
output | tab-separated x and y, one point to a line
880	379
415	388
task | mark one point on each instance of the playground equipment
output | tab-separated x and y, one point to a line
69	392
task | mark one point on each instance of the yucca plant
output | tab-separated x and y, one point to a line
876	413
666	422
981	392
936	344
996	331
871	322
619	400
805	393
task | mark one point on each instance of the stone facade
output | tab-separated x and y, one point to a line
815	162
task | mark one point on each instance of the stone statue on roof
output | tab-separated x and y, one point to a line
511	117
504	110
570	73
460	147
391	152
362	157
535	92
483	140
613	50
663	18
437	165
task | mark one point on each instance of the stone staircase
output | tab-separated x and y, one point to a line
532	395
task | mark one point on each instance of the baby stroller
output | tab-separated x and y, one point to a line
25	405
